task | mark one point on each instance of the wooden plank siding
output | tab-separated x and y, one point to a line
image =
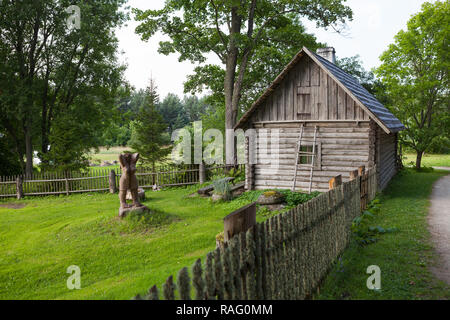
308	93
386	157
344	147
348	138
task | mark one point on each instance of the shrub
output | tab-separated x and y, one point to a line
222	188
238	175
293	199
365	234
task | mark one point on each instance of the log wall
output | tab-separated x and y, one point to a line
342	147
386	157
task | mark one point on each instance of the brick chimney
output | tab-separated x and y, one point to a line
328	54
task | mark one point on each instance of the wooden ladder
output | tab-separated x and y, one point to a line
303	153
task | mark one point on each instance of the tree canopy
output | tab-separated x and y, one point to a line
415	71
248	37
51	72
148	130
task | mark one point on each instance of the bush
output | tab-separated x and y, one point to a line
238	175
222	188
365	234
294	199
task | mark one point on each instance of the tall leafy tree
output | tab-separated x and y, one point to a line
9	164
238	32
148	130
415	71
52	67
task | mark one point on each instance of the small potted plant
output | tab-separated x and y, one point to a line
222	191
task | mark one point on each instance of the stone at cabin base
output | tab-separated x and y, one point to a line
270	198
123	212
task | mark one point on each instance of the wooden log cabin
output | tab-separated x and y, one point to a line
353	128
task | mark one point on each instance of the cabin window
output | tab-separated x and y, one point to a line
306	159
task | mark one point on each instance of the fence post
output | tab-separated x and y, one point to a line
202	173
354	175
19	188
335	182
112	182
362	187
67	187
239	221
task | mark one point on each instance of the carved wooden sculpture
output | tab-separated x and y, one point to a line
128	181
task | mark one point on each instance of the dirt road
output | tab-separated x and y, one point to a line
439	222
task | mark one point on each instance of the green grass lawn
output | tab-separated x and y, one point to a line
110	154
428	160
40	241
403	256
119	259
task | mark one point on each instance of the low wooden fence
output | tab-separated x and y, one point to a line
102	180
286	257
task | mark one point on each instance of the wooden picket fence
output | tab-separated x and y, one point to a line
101	180
283	258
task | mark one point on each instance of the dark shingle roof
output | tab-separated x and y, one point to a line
367	99
373	106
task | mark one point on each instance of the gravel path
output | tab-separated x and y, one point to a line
439	222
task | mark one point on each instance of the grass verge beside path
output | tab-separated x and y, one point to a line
404	257
428	160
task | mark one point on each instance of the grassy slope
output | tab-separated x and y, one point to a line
429	160
110	154
404	256
40	241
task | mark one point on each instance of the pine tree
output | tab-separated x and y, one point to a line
148	130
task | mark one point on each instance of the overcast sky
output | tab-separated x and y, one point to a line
373	28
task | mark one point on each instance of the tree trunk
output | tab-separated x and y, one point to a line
153	175
229	85
28	152
419	159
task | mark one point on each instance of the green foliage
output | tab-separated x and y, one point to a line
252	39
354	67
266	213
9	164
363	232
121	261
71	138
173	113
429	160
414	71
403	257
237	174
50	73
293	199
148	130
222	188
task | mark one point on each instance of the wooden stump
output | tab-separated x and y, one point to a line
202	173
335	182
239	221
112	182
19	188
